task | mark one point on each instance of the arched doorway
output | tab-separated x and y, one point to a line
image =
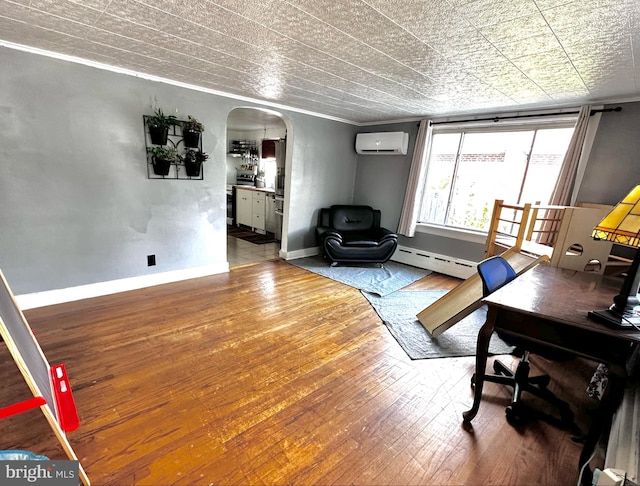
256	173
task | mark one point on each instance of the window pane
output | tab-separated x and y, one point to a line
468	171
546	159
491	167
444	148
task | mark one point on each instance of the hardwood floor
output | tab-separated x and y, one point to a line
273	375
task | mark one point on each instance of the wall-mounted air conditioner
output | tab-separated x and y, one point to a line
382	143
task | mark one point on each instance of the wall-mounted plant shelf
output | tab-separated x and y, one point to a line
180	167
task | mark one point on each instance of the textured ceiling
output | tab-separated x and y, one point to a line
356	60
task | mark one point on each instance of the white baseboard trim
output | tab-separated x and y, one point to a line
305	252
447	265
59	296
455	267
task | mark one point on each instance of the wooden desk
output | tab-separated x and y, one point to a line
549	305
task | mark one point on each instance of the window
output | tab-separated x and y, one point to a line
469	169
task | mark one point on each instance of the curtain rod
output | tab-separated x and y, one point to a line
498	118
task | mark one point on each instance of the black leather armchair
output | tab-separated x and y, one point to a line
352	234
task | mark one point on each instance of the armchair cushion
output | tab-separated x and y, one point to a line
352	233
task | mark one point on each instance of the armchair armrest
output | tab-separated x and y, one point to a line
323	232
383	234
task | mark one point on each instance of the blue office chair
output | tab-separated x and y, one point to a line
495	272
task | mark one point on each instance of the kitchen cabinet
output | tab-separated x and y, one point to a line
244	207
268	149
250	208
258	213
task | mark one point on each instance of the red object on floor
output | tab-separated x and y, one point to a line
67	413
20	407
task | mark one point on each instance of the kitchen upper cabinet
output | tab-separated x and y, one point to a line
244	207
268	149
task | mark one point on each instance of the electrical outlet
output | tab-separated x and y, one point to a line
151	260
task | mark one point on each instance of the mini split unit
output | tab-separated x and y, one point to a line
382	143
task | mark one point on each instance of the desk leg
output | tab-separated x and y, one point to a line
482	351
602	420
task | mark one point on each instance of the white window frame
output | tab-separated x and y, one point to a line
527	122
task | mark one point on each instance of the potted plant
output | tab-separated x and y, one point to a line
193	162
159	124
162	158
191	130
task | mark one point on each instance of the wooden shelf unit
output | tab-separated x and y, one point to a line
563	233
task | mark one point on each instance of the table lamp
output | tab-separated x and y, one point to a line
622	226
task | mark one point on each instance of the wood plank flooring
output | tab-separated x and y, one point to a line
273	375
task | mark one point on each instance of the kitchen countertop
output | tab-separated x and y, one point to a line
259	189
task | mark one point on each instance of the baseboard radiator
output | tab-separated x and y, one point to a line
623	448
446	265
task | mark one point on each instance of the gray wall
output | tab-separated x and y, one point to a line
614	163
612	170
382	179
381	182
77	206
324	173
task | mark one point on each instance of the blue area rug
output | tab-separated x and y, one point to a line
367	277
398	312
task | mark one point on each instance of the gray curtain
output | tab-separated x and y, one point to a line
415	184
561	195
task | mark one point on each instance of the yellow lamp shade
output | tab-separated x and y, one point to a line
622	224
